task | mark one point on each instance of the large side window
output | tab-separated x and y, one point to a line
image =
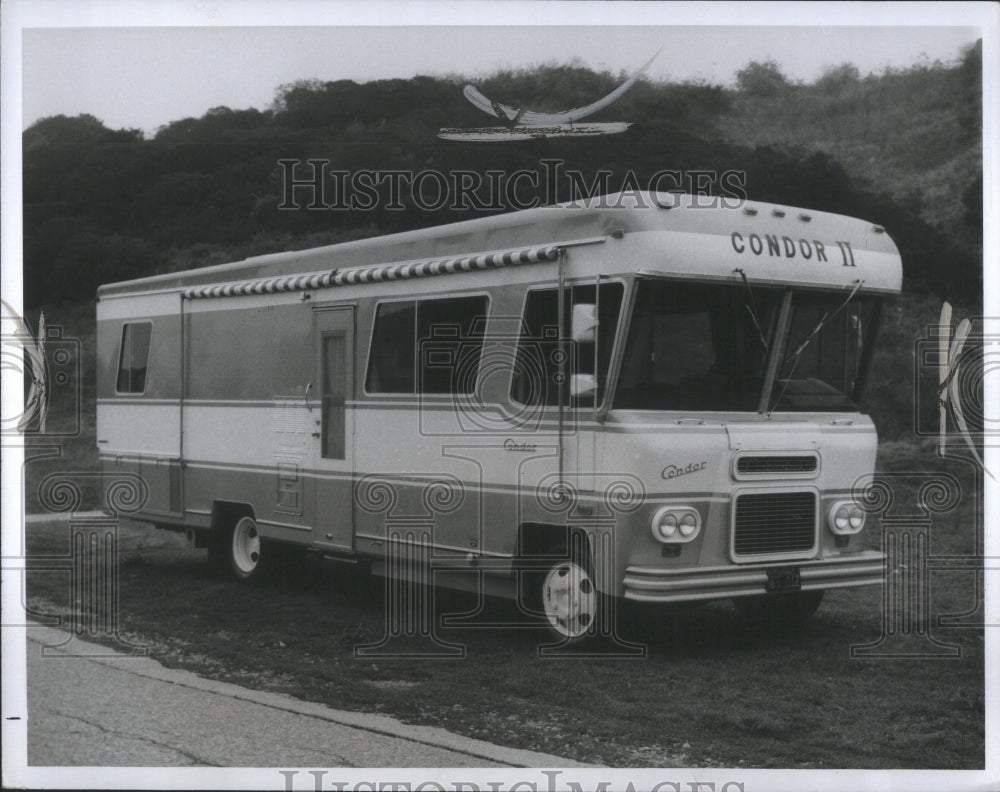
537	367
133	361
430	346
450	343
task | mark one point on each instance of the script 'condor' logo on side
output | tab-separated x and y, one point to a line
673	471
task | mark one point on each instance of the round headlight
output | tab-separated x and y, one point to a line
667	525
675	524
688	524
846	518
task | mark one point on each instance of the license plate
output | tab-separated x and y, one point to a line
780	579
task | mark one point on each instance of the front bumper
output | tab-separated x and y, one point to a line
652	584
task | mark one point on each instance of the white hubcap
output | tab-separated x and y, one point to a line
246	546
569	599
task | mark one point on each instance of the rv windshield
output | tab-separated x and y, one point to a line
697	346
705	347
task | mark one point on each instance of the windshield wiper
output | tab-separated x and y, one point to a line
794	357
752	310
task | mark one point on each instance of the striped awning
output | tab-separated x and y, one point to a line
376	273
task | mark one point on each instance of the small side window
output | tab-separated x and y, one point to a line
390	367
134	358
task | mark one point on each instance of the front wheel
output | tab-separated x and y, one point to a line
565	594
777	612
570	600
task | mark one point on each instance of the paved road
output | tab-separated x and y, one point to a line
114	710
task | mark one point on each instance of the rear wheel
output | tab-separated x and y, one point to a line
238	551
246	557
777	612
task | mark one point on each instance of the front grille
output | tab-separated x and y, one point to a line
772	523
749	465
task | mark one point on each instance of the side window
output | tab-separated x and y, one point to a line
390	365
430	346
536	369
450	344
333	441
134	358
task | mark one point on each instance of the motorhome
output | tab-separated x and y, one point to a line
641	396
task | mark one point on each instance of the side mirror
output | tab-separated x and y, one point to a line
582	385
584	323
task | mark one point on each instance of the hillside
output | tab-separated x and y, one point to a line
914	134
900	149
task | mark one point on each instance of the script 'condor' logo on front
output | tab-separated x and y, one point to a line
673	471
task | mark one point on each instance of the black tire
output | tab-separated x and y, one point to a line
778	612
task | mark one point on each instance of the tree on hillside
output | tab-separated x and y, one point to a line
762	78
838	78
81	130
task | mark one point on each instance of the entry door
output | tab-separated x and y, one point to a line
333	435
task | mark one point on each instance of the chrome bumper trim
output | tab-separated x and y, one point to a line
653	584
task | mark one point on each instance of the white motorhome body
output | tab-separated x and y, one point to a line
700	440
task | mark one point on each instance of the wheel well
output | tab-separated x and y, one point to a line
226	514
537	539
